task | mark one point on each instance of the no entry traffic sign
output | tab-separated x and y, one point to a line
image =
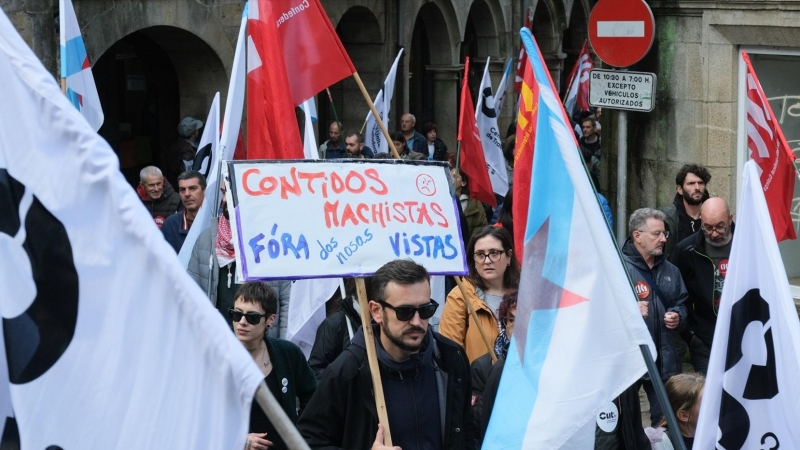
621	31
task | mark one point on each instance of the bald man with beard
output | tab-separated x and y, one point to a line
702	259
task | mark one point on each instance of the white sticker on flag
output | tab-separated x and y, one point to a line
621	29
607	418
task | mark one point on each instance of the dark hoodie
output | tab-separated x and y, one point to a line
342	412
162	207
679	223
333	336
412	397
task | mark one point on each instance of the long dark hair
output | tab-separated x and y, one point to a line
511	275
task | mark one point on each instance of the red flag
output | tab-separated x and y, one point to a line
272	130
473	163
577	99
522	61
523	155
768	148
314	55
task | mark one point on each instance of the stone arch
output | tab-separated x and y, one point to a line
547	27
360	32
484	31
147	81
433	67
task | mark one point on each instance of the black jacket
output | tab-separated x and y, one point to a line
162	207
630	434
679	224
697	269
342	412
669	281
333	337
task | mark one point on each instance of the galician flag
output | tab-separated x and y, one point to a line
76	68
105	340
373	136
576	343
752	398
486	118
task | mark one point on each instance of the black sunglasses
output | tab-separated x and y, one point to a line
406	313
251	317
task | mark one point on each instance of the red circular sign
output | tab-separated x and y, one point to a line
642	290
723	267
621	31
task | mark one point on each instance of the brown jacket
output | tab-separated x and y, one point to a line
455	323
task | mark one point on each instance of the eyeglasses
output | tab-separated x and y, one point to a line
719	228
406	313
656	234
251	317
493	255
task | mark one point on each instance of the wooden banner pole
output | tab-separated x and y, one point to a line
475	321
372	357
380	123
278	418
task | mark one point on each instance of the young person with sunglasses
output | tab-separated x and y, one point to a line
283	364
493	272
425	376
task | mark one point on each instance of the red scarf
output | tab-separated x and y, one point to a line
224	247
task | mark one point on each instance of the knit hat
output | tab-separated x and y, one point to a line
188	126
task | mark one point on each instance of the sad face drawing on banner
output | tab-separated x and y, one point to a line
750	375
40	300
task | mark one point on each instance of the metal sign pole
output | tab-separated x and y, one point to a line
622	176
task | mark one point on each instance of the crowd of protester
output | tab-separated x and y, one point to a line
440	384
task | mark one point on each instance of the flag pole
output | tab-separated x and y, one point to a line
278	418
475	321
380	123
372	357
64	86
333	107
661	393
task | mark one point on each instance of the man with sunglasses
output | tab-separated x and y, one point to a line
702	259
425	376
661	295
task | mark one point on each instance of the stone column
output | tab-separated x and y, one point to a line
445	101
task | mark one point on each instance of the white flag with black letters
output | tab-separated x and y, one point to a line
108	342
752	395
486	118
373	137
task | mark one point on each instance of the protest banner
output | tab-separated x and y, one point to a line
319	219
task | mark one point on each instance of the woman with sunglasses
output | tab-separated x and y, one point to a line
283	364
493	272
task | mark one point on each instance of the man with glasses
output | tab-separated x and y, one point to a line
425	376
703	261
661	295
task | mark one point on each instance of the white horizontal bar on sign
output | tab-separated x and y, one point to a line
621	29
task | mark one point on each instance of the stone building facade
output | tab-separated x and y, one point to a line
157	61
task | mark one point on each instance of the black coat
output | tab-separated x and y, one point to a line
342	412
697	269
669	281
630	434
333	337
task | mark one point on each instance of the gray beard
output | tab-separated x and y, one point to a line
720	244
